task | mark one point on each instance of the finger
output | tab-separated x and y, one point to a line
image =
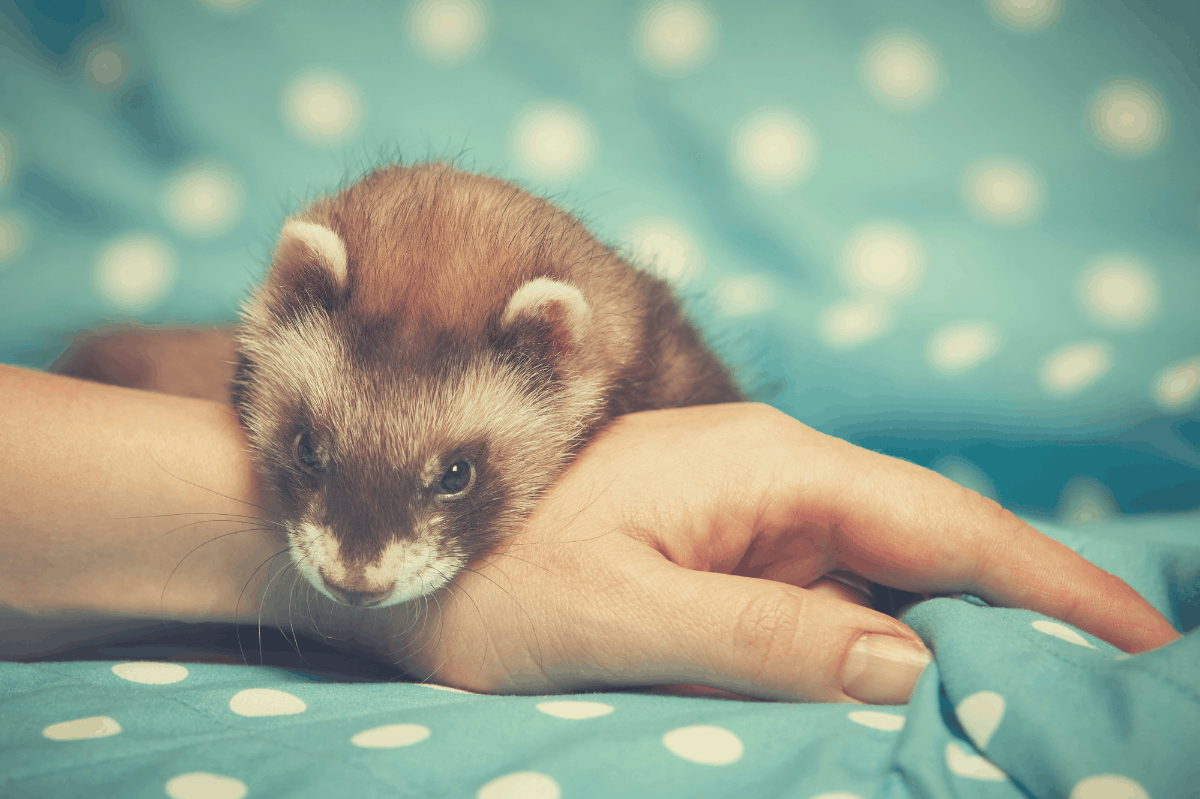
928	534
844	586
769	640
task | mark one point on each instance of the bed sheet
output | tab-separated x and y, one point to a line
1015	705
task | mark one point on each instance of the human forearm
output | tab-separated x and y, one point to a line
107	491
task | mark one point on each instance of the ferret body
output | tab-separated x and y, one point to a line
426	354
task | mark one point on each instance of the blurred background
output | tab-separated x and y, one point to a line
963	233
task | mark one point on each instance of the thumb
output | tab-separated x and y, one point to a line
771	640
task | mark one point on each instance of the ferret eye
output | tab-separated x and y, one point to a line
455	479
306	454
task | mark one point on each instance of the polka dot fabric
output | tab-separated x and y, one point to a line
887	216
1016	705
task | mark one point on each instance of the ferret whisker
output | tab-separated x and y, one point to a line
210	490
210	521
162	596
238	606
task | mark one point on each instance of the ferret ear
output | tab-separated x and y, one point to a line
548	313
310	263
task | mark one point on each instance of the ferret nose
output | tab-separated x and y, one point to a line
363	599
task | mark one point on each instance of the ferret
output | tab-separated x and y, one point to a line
428	351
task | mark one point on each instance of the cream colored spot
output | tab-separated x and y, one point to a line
322	107
884	257
1177	387
774	148
1070	369
665	248
521	785
150	673
391	736
704	744
203	785
203	200
1026	15
266	702
1085	500
1128	117
901	70
552	142
448	31
575	710
854	322
888	722
135	272
1003	191
962	346
1061	631
743	295
673	37
79	729
1118	291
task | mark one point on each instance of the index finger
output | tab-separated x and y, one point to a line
910	528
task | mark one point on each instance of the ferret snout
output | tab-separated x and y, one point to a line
357	596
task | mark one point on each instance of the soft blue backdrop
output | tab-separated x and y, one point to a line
151	149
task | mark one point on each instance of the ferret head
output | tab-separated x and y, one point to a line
401	439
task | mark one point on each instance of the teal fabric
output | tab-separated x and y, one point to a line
1015	706
205	87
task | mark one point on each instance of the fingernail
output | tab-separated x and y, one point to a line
883	669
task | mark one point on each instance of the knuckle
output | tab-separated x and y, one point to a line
766	629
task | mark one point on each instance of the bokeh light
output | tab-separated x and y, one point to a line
665	248
105	65
852	323
743	295
1128	117
203	201
961	346
901	70
448	31
673	37
322	108
774	148
883	257
13	238
1177	387
135	272
1003	191
1071	369
1118	291
966	474
1085	500
1026	15
552	142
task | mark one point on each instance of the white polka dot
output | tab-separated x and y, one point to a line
12	238
8	156
673	37
883	257
448	31
79	729
1177	387
1122	656
665	248
552	142
1084	500
266	702
1117	290
704	744
743	295
204	200
575	710
876	720
966	474
520	785
1070	369
1108	786
202	785
105	65
1060	631
853	322
391	736
1026	15
773	148
961	346
150	673
980	715
1003	191
135	272
975	767
1128	117
901	70
445	688
322	108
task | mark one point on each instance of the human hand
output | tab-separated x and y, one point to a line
676	549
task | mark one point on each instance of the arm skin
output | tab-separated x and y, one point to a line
676	549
